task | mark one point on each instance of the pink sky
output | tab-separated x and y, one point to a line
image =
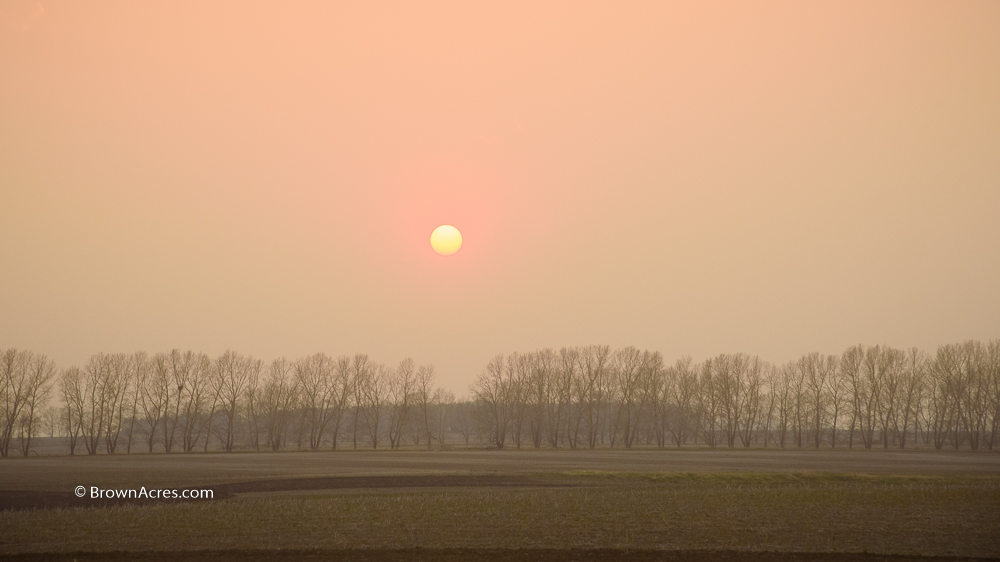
689	177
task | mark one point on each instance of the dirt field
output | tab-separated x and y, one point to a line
479	555
62	473
702	505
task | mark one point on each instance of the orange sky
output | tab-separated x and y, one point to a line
694	178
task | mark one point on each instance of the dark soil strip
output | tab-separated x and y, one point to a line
394	481
478	555
26	500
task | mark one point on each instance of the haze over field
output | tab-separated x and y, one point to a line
693	178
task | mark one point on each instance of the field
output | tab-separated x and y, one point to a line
695	504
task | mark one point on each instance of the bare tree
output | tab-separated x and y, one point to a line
492	392
561	367
36	391
851	372
444	404
323	393
684	400
200	398
155	398
465	419
232	375
771	377
344	387
781	387
710	404
13	372
51	418
425	398
753	372
373	395
973	392
253	410
991	372
94	401
799	404
136	384
908	394
279	396
943	401
71	392
173	371
573	389
361	369
892	365
816	372
537	393
594	389
632	371
118	376
519	371
836	390
401	381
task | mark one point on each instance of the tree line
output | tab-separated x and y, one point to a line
576	397
868	396
187	401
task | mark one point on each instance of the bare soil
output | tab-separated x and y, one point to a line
544	505
63	473
480	555
21	500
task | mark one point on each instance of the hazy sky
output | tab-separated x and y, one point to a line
689	177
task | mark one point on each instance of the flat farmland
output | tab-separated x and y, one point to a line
61	473
548	505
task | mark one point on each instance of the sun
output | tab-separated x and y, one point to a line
446	240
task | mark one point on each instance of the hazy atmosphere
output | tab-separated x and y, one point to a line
431	281
692	178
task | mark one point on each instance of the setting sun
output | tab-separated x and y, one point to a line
446	240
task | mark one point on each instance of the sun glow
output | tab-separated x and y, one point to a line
446	240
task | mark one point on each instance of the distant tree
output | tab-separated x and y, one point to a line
174	373
539	395
685	400
137	379
279	397
784	401
444	407
991	372
573	390
709	404
401	382
373	395
118	374
361	369
594	389
154	398
36	391
909	395
518	374
232	375
71	392
25	386
425	399
51	421
626	371
492	392
465	420
837	393
322	395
